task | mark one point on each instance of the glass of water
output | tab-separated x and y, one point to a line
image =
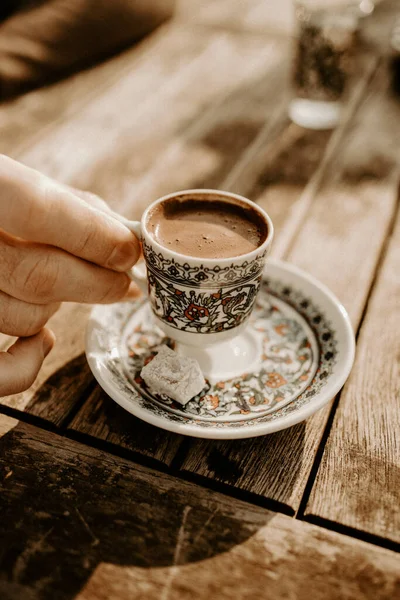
324	46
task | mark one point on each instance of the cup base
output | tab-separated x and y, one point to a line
314	114
226	360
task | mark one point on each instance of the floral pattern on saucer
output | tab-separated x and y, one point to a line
294	292
289	361
299	353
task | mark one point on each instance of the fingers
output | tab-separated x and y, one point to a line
41	274
38	209
99	203
22	319
92	199
20	365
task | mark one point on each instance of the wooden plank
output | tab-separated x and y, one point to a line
225	130
282	560
7	424
204	153
270	15
30	117
77	522
340	243
358	480
112	133
265	16
347	224
101	418
219	12
279	176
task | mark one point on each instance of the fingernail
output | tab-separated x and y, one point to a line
124	256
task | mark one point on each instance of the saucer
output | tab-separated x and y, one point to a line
305	351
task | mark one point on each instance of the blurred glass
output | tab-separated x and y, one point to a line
323	50
363	8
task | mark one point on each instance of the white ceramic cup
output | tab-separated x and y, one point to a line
200	301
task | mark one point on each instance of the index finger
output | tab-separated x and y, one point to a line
38	209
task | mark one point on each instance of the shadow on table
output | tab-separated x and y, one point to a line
67	508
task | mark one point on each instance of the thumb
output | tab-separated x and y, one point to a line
21	363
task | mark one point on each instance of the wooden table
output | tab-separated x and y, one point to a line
96	504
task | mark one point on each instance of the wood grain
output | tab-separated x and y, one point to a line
77	522
110	135
101	418
7	424
283	168
358	481
203	152
352	214
284	559
32	116
340	243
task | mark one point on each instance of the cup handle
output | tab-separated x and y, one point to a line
136	274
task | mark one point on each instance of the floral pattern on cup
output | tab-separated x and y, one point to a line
200	299
205	311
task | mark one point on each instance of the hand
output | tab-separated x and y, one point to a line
54	247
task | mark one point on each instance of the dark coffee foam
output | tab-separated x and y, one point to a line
209	228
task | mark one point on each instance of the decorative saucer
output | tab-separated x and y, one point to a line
306	351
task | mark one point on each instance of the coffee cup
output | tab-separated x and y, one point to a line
204	252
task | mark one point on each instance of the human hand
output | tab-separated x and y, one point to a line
54	246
